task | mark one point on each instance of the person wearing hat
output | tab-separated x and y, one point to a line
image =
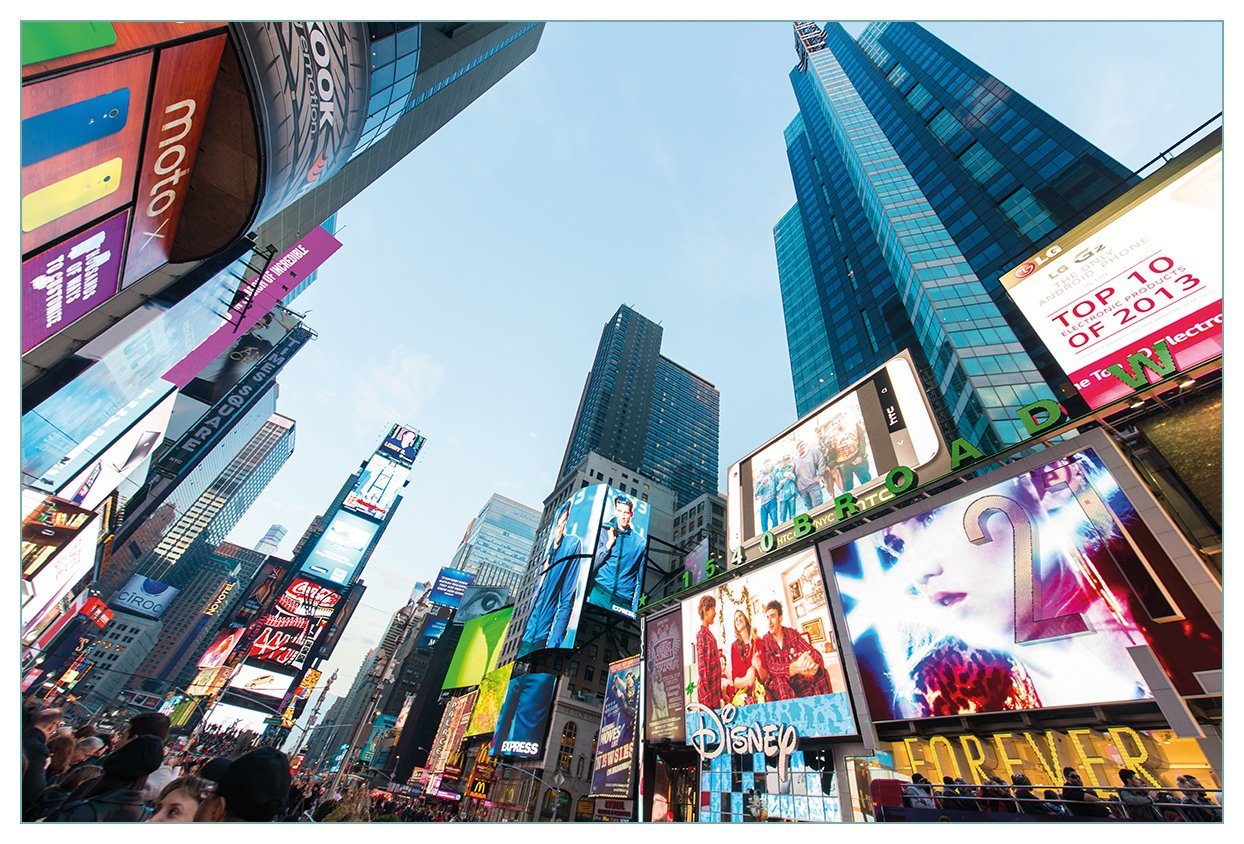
252	787
117	795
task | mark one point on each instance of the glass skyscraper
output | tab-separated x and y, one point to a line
497	543
920	179
644	411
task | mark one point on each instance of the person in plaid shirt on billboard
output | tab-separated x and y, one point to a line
712	683
792	667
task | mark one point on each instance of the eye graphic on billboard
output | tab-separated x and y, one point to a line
478	649
222	646
846	445
1025	594
664	707
402	444
339	550
66	282
377	487
763	645
449	587
554	618
80	144
144	596
615	747
488	703
524	717
621	552
481	600
1147	269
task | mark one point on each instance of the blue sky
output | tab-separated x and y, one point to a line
623	163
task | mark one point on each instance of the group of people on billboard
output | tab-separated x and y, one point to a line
826	456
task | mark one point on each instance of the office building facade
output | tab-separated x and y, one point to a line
497	543
920	179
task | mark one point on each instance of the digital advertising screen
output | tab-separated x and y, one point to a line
44	588
665	709
478	649
621	554
285	635
480	600
488	703
750	787
47	529
1145	269
402	444
1024	594
222	373
615	746
558	600
377	487
846	445
524	717
339	550
760	649
262	686
143	596
449	587
228	718
696	563
218	652
432	630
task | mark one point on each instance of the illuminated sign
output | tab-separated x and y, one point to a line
615	746
621	551
339	550
524	716
146	597
449	587
478	649
377	487
715	735
219	601
664	709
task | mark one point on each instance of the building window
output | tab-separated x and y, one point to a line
589	673
919	97
570	734
979	162
944	126
897	76
1028	215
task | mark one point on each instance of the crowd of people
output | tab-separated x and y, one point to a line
1131	800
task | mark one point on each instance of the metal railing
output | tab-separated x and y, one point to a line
1142	803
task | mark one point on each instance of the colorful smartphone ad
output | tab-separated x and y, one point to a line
339	550
1025	594
614	763
621	554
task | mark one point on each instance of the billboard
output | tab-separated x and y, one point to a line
66	282
760	650
478	649
100	478
750	787
847	444
664	708
286	635
524	717
80	146
72	558
615	747
1145	270
260	686
338	551
143	596
449	587
56	45
621	554
433	627
223	373
219	651
228	718
402	444
488	703
554	618
1027	593
49	527
480	600
696	563
441	743
377	487
185	77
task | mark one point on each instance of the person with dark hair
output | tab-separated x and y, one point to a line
1078	800
792	667
1052	802
60	756
41	726
77	777
1197	805
117	794
149	724
178	802
618	567
85	731
558	590
1137	803
918	794
711	683
1027	800
252	787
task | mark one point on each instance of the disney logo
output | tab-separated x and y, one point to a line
715	736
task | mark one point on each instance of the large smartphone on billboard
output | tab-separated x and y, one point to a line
74	125
847	445
68	195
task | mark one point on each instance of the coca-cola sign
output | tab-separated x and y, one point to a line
307	598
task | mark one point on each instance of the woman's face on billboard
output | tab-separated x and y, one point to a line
972	582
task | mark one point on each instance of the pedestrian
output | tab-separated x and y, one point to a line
60	756
42	725
178	802
117	794
1197	805
56	796
918	794
1137	803
1079	801
1025	798
252	787
995	796
1054	803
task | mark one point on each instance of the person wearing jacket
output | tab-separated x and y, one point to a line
1029	803
117	796
619	562
556	597
41	727
1136	800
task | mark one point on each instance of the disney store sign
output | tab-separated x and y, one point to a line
716	735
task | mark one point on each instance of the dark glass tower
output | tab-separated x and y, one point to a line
646	412
920	179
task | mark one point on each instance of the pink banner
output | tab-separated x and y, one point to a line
262	294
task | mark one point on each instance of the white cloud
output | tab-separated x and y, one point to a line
397	390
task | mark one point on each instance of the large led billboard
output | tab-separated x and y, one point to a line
557	602
449	587
219	651
621	554
478	649
286	635
664	707
218	377
488	703
433	627
228	718
1145	270
402	444
846	445
339	550
377	487
615	746
1027	592
524	717
262	687
144	596
49	527
43	587
480	600
760	649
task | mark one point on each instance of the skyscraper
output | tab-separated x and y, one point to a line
497	543
271	540
646	412
920	178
